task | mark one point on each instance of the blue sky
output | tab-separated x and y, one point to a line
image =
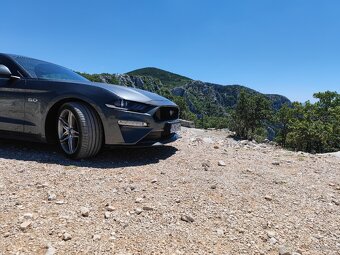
289	47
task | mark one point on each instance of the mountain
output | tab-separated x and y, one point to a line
197	97
167	78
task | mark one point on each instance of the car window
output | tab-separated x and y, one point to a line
48	71
10	65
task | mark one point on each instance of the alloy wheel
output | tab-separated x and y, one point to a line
68	132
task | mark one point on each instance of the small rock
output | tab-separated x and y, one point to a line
221	163
147	208
276	163
272	241
85	211
280	181
50	250
66	237
96	237
41	185
139	200
7	234
270	233
51	197
187	218
284	251
336	202
177	201
220	232
110	208
268	198
107	215
25	225
154	181
112	236
206	164
214	186
60	202
138	210
241	230
28	216
216	147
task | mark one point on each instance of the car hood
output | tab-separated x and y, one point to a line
133	94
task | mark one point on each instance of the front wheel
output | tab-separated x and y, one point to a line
80	133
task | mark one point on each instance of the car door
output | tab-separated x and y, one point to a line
12	94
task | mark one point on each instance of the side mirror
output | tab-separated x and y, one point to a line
5	72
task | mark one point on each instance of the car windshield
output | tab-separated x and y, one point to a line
45	70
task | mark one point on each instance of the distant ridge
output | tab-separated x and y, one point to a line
195	96
167	78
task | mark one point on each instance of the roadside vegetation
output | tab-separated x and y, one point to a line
310	127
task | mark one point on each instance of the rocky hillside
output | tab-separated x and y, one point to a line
204	194
167	78
200	97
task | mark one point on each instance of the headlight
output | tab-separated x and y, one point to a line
126	105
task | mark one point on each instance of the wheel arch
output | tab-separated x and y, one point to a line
49	125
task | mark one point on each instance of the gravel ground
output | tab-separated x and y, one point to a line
205	194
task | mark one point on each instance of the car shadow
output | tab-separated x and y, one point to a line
107	158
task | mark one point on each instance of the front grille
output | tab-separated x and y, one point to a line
166	113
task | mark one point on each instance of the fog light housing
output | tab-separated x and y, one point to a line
132	123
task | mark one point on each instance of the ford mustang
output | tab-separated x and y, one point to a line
45	102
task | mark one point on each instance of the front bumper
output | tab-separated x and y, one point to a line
155	133
143	144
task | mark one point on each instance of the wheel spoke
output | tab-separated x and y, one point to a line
70	119
75	133
64	138
70	144
64	123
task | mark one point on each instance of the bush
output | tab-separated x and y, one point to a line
311	127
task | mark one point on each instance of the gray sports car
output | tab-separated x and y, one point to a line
45	102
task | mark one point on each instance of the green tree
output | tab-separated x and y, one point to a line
311	127
283	118
251	114
184	113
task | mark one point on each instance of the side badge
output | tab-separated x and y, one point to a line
32	100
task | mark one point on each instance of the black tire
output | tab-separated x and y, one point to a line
84	134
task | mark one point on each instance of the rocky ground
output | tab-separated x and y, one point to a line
205	194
